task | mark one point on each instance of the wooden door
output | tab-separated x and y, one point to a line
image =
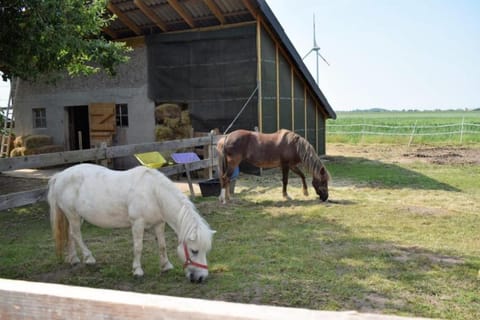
102	123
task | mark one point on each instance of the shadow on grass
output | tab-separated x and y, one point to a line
314	262
374	173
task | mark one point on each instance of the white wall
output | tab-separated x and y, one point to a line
129	86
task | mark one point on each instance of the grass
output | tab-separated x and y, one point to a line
429	127
399	237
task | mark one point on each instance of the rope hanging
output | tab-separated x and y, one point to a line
241	110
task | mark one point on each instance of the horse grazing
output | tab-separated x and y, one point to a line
283	148
138	198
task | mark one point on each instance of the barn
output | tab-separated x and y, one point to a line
220	60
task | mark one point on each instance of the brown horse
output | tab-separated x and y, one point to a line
283	148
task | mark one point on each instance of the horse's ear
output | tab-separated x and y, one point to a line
192	236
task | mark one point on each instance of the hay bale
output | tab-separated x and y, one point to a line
167	111
185	118
163	133
18	142
171	122
37	140
17	152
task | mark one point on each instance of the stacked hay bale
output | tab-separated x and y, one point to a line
33	144
172	122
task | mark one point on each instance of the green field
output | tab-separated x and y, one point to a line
415	127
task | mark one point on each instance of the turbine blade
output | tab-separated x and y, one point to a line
307	54
323	58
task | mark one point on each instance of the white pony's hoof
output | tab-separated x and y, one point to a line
72	260
287	197
167	266
90	260
138	272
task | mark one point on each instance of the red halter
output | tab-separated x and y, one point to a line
189	261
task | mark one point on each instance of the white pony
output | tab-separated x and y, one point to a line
138	198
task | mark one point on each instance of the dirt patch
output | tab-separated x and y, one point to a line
446	155
413	253
442	155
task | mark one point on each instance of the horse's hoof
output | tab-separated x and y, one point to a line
167	266
72	260
305	193
90	260
138	272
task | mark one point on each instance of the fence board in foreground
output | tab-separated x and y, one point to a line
35	300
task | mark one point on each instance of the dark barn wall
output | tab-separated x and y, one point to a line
287	101
213	72
285	92
268	83
311	128
299	107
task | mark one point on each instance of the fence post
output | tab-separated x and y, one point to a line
210	154
461	130
412	134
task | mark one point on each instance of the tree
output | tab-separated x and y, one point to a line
47	37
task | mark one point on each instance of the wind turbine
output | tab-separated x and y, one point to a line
315	49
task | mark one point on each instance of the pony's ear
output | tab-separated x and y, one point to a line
193	236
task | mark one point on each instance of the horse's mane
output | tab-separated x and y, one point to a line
307	154
189	219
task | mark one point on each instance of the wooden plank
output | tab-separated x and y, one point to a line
215	10
23	198
124	18
182	12
51	159
94	154
35	300
102	117
151	14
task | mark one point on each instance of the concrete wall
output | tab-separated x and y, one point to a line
128	87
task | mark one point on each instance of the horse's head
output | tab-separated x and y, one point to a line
193	253
321	184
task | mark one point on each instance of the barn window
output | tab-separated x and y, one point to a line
39	118
122	115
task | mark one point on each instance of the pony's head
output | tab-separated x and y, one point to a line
193	252
320	184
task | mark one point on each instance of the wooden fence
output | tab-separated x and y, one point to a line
100	154
34	300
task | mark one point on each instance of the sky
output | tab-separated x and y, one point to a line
392	54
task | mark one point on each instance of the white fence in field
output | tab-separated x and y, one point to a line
451	130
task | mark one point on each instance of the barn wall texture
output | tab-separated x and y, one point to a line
128	87
212	73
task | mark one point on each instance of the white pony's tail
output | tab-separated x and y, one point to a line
58	221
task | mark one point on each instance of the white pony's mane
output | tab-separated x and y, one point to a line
190	223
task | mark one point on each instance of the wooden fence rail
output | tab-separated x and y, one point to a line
98	154
35	300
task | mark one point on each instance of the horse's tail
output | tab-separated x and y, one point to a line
58	221
222	159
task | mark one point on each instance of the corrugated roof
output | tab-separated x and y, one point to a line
144	17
